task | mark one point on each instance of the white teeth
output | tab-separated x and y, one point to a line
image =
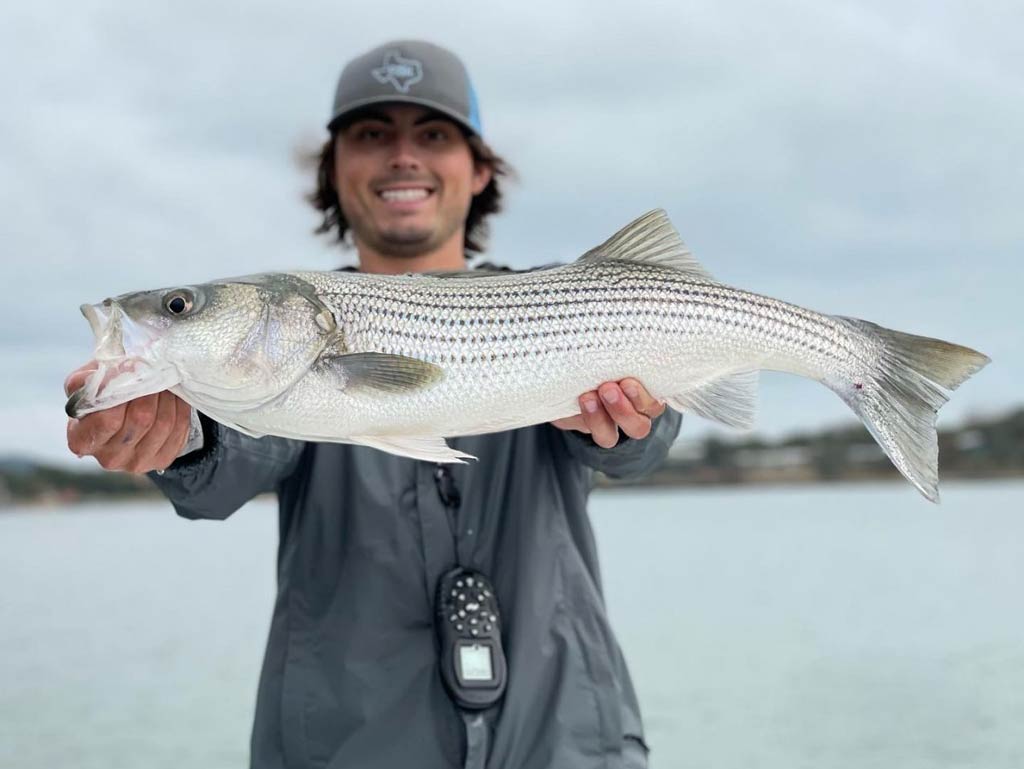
402	196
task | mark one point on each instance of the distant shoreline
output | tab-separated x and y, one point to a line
654	483
603	485
980	450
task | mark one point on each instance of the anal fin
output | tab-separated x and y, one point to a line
425	447
731	400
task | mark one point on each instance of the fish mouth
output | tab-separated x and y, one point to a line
98	315
125	369
71	407
105	320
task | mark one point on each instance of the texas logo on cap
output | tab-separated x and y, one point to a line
399	71
409	71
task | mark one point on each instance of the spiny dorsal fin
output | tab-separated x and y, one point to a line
651	239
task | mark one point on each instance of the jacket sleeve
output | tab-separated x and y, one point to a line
629	458
227	472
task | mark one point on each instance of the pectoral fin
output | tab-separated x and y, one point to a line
382	371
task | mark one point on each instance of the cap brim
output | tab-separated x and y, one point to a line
351	107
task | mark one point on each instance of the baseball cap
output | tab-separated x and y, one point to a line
410	72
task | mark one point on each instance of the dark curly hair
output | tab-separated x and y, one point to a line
325	198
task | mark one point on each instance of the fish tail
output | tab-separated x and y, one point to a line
900	393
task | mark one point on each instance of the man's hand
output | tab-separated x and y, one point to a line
142	435
614	406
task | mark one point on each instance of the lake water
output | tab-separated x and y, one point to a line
829	627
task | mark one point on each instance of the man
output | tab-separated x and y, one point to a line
351	674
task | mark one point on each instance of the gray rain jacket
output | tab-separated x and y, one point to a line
351	676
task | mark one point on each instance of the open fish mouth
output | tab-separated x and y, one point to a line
98	315
124	369
105	320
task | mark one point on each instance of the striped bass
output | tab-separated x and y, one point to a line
399	362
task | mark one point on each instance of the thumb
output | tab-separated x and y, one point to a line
77	377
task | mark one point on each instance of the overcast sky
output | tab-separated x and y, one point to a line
859	158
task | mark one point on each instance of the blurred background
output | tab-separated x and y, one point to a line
856	158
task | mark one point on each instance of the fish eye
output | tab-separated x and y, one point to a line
179	302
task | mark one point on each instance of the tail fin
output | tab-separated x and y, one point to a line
900	408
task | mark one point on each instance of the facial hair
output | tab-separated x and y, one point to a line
404	241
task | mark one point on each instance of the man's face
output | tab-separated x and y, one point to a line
405	177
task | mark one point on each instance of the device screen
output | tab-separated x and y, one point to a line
476	663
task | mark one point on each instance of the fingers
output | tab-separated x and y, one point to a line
179	435
614	406
118	453
77	377
642	401
622	412
572	423
94	430
142	435
91	432
160	444
150	436
597	419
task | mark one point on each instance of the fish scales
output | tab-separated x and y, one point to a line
613	319
686	301
655	296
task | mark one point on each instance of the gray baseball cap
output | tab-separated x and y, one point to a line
411	72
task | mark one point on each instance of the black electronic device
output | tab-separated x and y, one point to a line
469	630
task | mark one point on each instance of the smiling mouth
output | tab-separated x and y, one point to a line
405	194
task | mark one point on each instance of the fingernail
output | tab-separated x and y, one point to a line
590	405
610	396
631	390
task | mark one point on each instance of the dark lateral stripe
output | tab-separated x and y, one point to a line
586	291
540	286
595	327
575	292
436	326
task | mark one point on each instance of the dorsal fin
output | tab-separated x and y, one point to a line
650	239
